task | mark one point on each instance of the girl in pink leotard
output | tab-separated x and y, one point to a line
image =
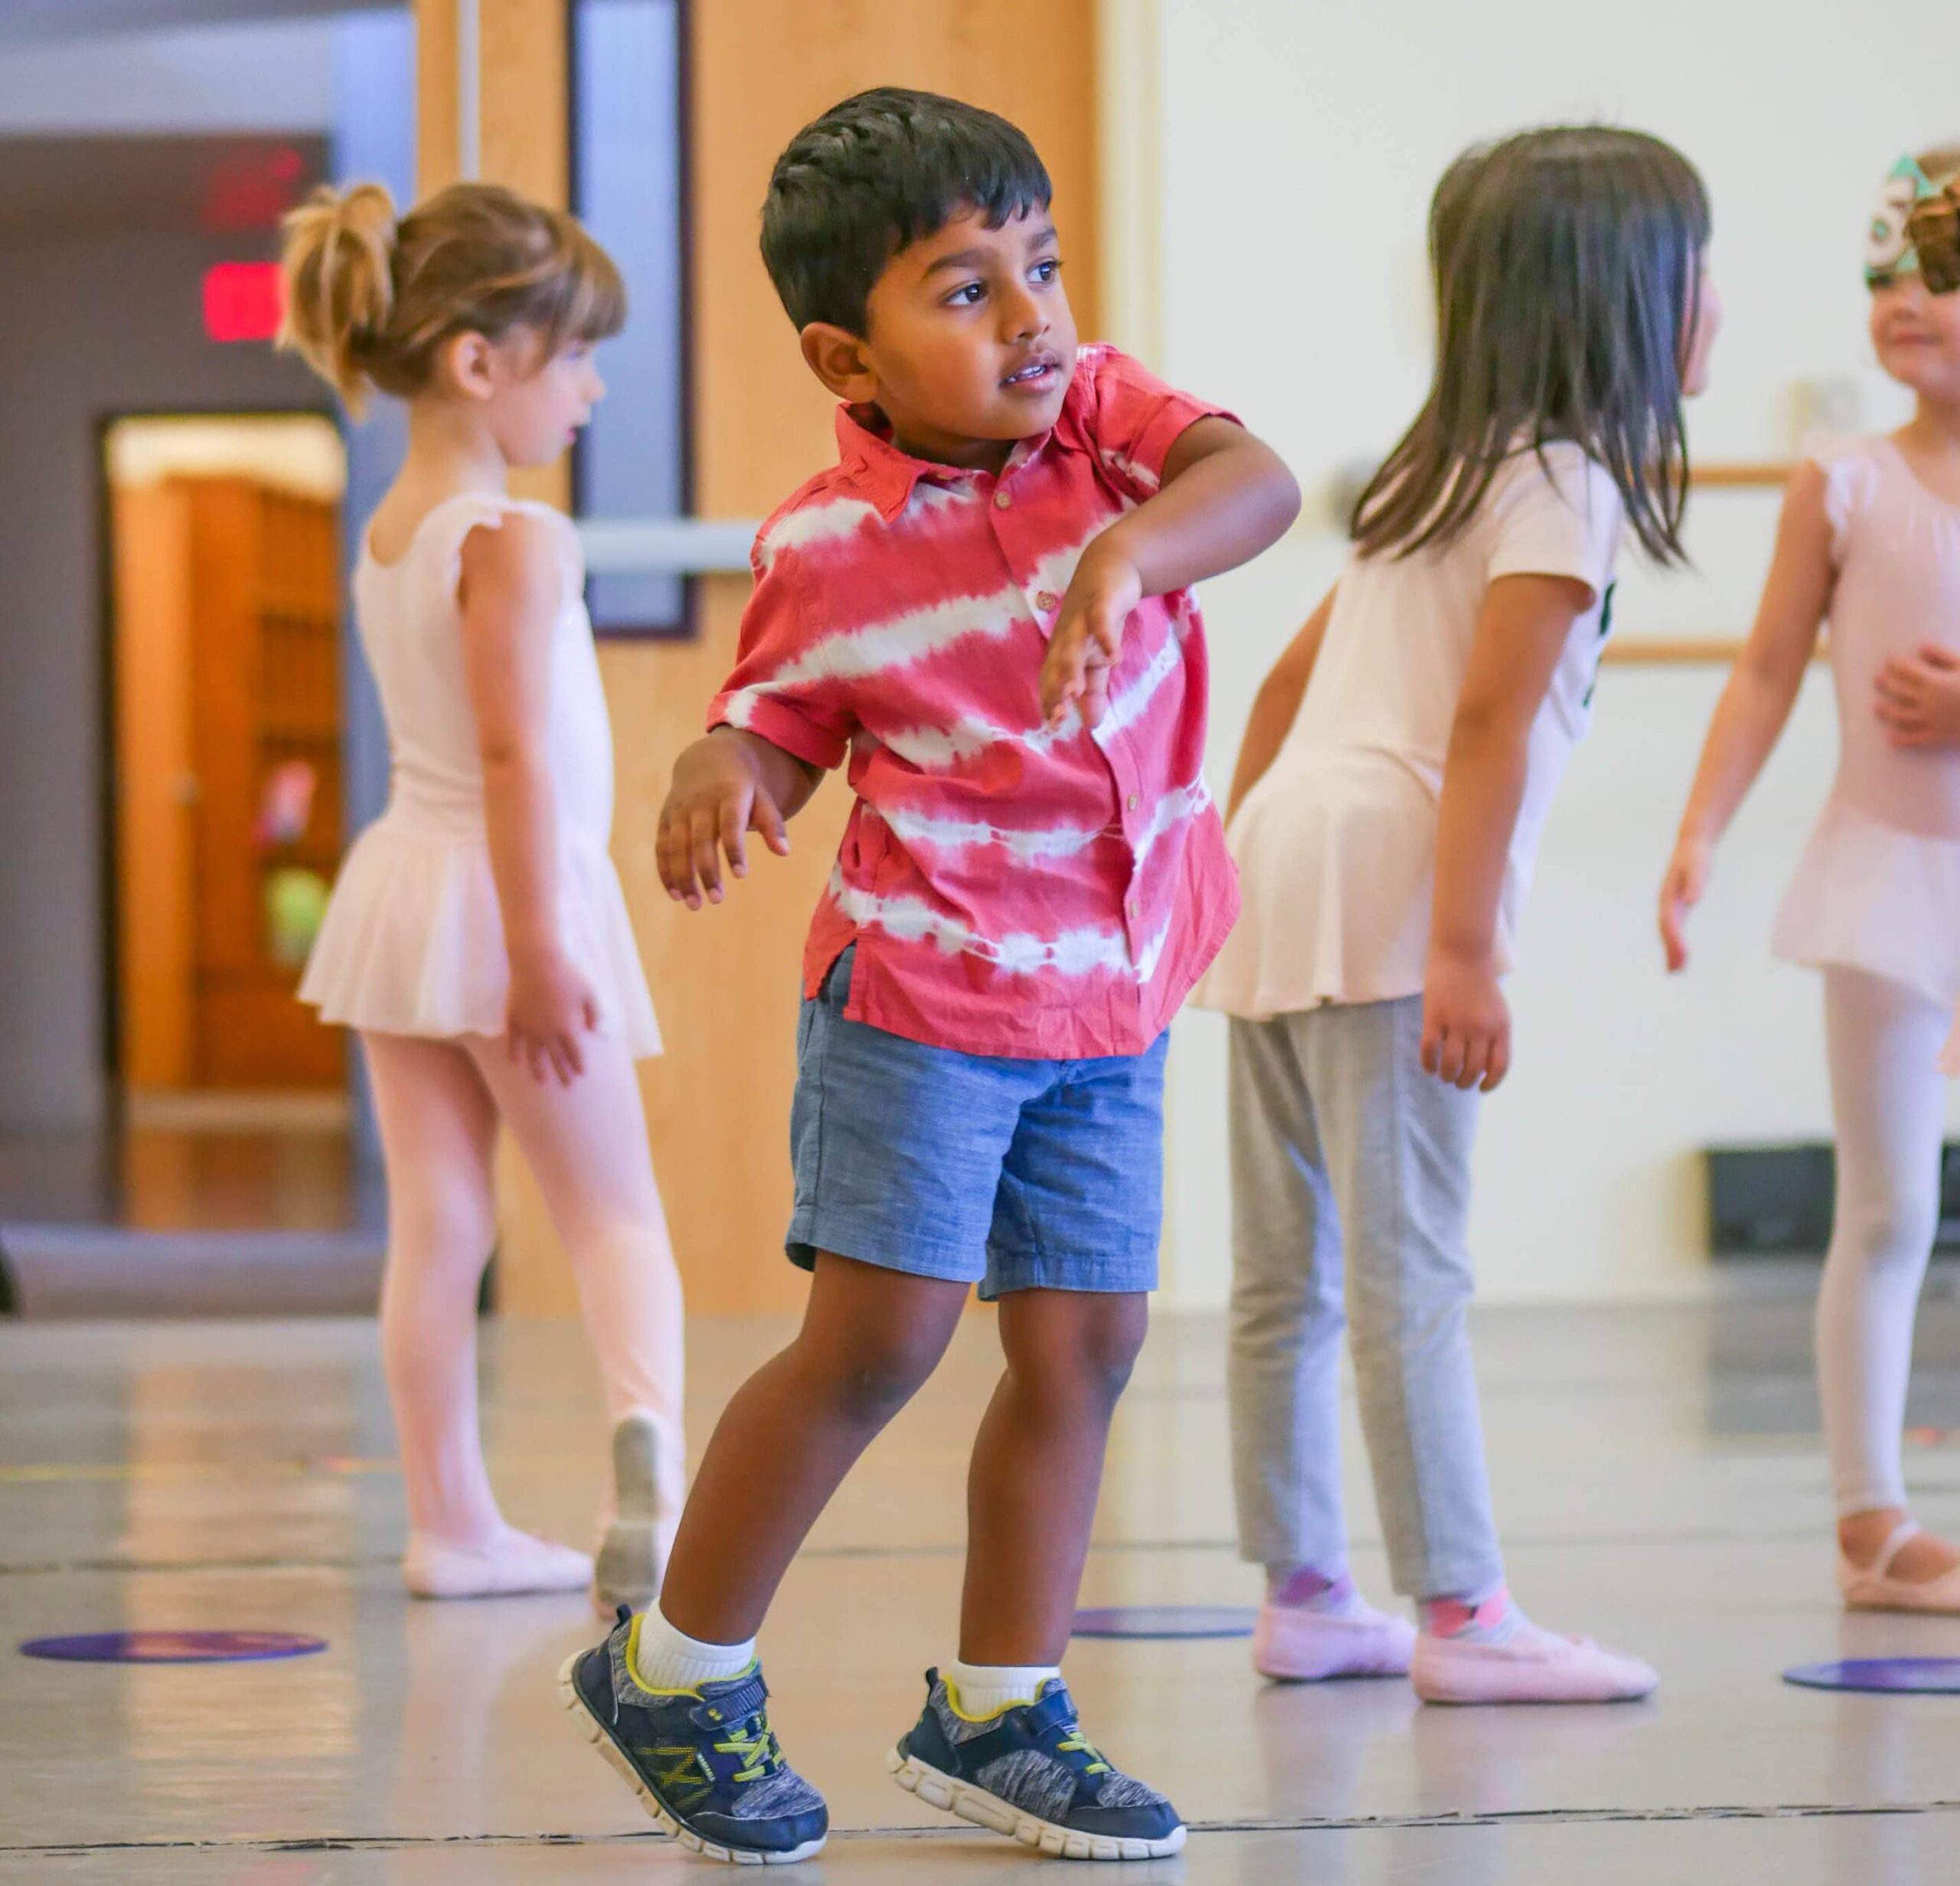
1870	541
477	939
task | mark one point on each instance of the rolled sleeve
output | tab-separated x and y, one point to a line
1133	419
773	693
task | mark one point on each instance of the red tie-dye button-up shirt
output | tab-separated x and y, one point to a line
1011	890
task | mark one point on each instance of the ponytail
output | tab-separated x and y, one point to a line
339	270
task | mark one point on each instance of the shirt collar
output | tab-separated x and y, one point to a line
886	474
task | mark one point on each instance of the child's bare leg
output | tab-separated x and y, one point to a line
869	1337
1038	1466
998	1742
438	1127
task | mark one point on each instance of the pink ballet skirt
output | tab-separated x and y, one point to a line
412	941
1868	896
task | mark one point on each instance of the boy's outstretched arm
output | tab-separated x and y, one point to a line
1225	497
728	784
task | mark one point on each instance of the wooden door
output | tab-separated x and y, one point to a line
726	979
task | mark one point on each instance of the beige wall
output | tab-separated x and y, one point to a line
1296	150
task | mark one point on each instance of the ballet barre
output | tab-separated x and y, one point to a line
1671	650
1684	651
697	547
667	547
1703	651
1741	475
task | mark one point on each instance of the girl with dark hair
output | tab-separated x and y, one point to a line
1384	821
1871	540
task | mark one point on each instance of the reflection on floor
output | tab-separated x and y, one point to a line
198	1204
238	1475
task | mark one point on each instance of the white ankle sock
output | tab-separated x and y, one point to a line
986	1689
667	1659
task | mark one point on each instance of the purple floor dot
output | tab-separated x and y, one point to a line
1923	1676
174	1646
1165	1620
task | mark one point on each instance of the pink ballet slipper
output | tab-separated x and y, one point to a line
512	1565
1298	1645
1872	1588
1534	1666
642	1512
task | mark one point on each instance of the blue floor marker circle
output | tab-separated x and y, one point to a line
174	1646
1923	1676
1165	1620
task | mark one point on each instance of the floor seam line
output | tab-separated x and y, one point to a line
1386	1823
948	1549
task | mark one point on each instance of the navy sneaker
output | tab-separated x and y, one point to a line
1030	1773
704	1761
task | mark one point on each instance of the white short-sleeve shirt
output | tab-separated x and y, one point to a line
1336	845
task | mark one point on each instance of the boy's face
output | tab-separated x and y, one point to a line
970	346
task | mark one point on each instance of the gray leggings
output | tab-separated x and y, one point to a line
1335	1129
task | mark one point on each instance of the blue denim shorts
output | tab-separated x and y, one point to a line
979	1168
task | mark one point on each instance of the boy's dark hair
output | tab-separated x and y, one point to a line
1568	271
875	175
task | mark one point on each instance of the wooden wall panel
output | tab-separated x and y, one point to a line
761	70
436	116
725	981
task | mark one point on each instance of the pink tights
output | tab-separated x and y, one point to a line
439	1104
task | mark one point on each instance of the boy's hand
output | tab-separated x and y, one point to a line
1466	1023
1680	891
1088	634
718	795
1918	697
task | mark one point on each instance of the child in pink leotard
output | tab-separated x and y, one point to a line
1871	540
477	938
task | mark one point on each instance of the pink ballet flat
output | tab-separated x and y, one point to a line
512	1565
1298	1645
1872	1588
1534	1667
642	1514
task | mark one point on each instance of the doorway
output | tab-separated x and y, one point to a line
225	608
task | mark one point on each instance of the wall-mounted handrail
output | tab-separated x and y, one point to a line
1684	650
1703	651
694	546
1741	475
1672	651
667	547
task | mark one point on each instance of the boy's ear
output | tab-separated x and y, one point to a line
836	357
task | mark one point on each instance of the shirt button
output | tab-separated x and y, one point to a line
1136	907
1047	600
1130	802
1002	498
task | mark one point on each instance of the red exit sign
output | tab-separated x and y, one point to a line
243	300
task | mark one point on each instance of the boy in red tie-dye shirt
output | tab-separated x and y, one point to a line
984	610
